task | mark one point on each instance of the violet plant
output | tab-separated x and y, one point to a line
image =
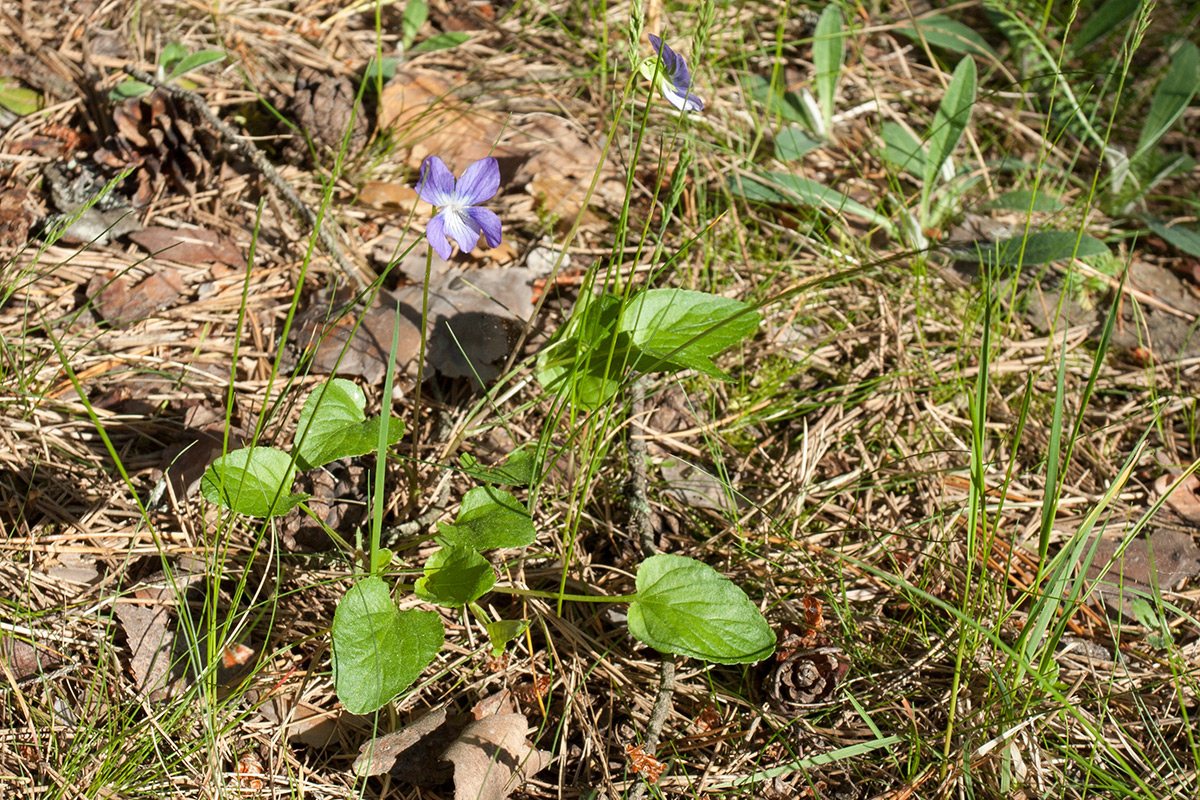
681	605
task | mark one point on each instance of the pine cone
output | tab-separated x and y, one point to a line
322	107
807	677
153	138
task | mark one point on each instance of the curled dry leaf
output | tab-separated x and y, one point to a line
644	764
491	758
118	304
414	748
1184	500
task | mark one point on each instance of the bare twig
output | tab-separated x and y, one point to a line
251	153
639	513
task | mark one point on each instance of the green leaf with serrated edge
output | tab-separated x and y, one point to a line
779	187
489	518
1041	247
1026	200
951	118
675	329
829	52
687	608
255	481
517	469
1179	237
455	576
379	650
1103	21
332	425
941	31
1172	96
415	14
503	631
17	99
194	62
443	41
901	149
793	142
129	89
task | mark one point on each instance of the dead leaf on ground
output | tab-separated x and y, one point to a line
182	465
336	498
1184	500
489	754
694	487
411	752
118	304
1163	560
189	245
14	220
390	196
25	658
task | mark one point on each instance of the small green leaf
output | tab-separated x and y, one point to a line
380	70
489	518
17	99
503	631
686	607
1103	21
194	62
901	149
1040	247
951	118
677	329
415	14
517	469
171	55
378	650
829	53
255	481
129	89
583	362
1184	239
779	187
332	425
941	31
1026	200
1172	97
443	41
455	576
793	142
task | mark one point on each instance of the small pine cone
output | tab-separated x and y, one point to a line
322	107
158	143
807	677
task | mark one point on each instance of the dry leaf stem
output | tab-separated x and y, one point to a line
251	153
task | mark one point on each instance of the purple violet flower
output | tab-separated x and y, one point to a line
460	217
674	79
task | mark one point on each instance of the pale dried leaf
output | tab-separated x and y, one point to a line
491	758
1185	499
410	744
189	246
1162	561
119	304
151	647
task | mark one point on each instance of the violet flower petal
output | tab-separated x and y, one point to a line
436	185
479	182
461	228
435	234
487	220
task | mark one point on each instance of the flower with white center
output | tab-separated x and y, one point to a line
460	218
673	76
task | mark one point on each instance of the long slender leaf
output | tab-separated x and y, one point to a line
941	31
951	118
829	53
779	187
1103	21
1172	97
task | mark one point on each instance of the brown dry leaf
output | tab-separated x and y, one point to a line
120	305
390	196
14	219
697	488
411	750
644	764
1163	560
489	754
183	464
306	723
24	658
366	355
189	246
336	498
151	648
1184	500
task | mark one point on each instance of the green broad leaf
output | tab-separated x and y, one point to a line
17	99
1026	200
829	53
194	62
676	329
415	14
517	469
1040	247
780	187
332	425
1103	21
503	631
793	142
255	481
129	89
942	32
1184	239
582	362
786	105
951	119
687	608
443	41
901	149
455	576
1172	96
172	54
489	519
379	650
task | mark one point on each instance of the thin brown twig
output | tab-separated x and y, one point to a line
251	153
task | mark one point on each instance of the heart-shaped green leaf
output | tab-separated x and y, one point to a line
455	576
332	425
255	481
675	329
379	650
489	518
517	469
503	631
686	607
